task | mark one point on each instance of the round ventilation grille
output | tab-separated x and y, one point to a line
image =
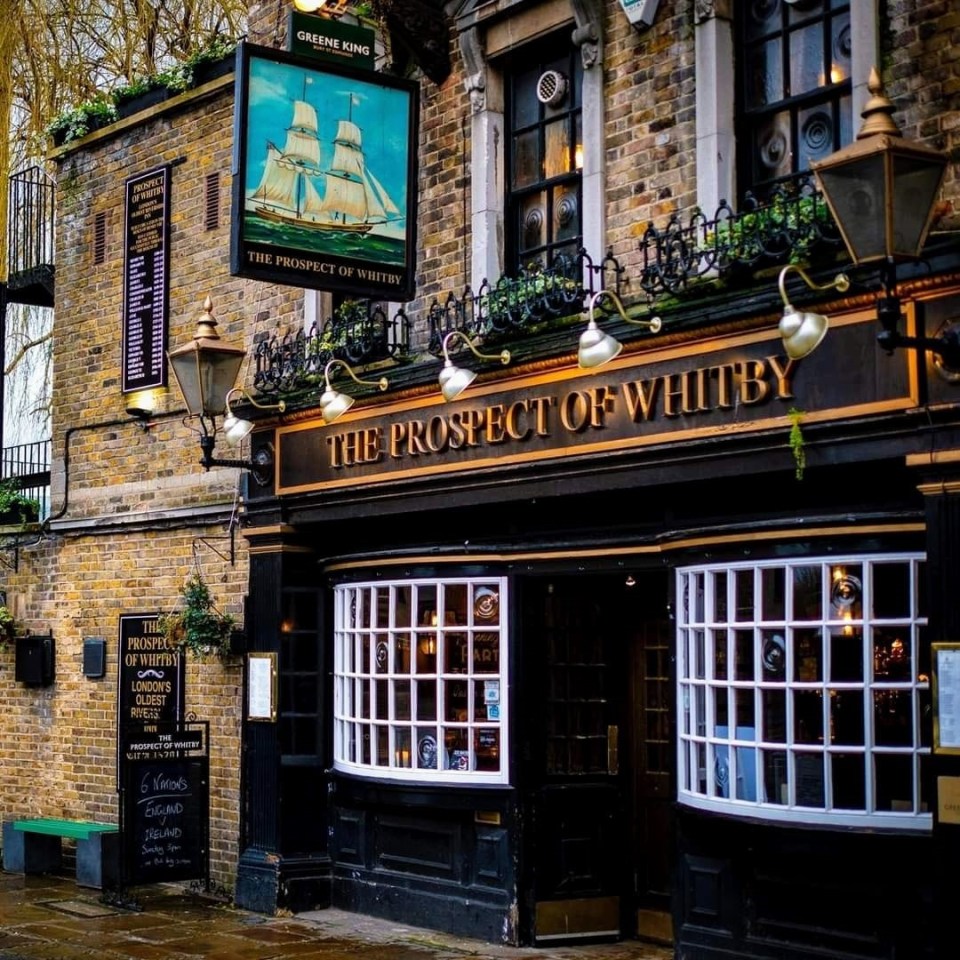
551	87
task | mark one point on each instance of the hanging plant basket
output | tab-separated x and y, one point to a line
198	627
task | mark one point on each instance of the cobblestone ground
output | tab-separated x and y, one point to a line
51	918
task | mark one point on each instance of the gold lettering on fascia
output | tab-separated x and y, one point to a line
669	396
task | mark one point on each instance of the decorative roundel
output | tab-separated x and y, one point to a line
843	45
382	656
486	604
551	88
845	591
818	133
566	210
533	223
773	150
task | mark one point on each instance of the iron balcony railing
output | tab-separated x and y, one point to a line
793	225
30	237
29	464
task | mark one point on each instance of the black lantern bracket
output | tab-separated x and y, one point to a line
945	347
882	191
206	370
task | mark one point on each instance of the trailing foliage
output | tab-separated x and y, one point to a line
14	503
199	627
797	443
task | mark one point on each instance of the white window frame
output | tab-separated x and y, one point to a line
714	53
702	747
352	681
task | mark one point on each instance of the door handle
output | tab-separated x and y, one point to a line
613	749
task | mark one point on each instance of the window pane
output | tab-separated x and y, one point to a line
808	716
846	592
744	669
892	660
809	779
891	591
743	580
765	84
773	655
533	219
775	776
815	134
719	654
846	656
487	748
893	782
426	753
840	48
806	60
772	583
849	785
808	656
807	593
720	597
893	718
526	106
846	717
566	214
557	153
772	153
774	716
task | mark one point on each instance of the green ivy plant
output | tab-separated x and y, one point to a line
76	122
8	625
15	503
797	442
199	627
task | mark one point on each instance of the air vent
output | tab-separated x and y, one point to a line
211	213
100	237
551	88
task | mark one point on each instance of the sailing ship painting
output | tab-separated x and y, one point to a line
327	163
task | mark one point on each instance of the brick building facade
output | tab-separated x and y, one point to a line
555	679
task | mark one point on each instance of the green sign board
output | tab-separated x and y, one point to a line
330	40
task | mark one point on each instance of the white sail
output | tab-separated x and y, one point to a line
312	203
389	207
302	149
347	160
279	182
348	133
304	117
344	197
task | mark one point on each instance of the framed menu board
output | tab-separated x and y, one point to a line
146	280
946	697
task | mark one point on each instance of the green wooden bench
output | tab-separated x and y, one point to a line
35	846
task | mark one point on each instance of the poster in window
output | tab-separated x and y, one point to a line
325	186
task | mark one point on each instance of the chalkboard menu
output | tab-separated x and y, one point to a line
146	280
165	806
151	672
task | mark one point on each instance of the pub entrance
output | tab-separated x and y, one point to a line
596	756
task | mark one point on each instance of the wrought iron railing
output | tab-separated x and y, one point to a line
29	463
30	237
514	305
361	332
792	225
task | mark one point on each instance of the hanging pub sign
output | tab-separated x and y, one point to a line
146	279
330	40
325	176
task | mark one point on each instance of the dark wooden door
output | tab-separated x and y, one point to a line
652	752
576	848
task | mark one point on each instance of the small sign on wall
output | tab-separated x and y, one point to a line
641	13
262	687
331	40
146	280
946	697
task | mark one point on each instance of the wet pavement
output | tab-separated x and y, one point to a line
51	918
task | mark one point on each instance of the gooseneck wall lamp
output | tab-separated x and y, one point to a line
205	370
454	380
334	404
882	191
597	347
802	330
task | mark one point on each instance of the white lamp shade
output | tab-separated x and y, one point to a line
334	405
454	380
309	6
235	429
801	332
596	347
